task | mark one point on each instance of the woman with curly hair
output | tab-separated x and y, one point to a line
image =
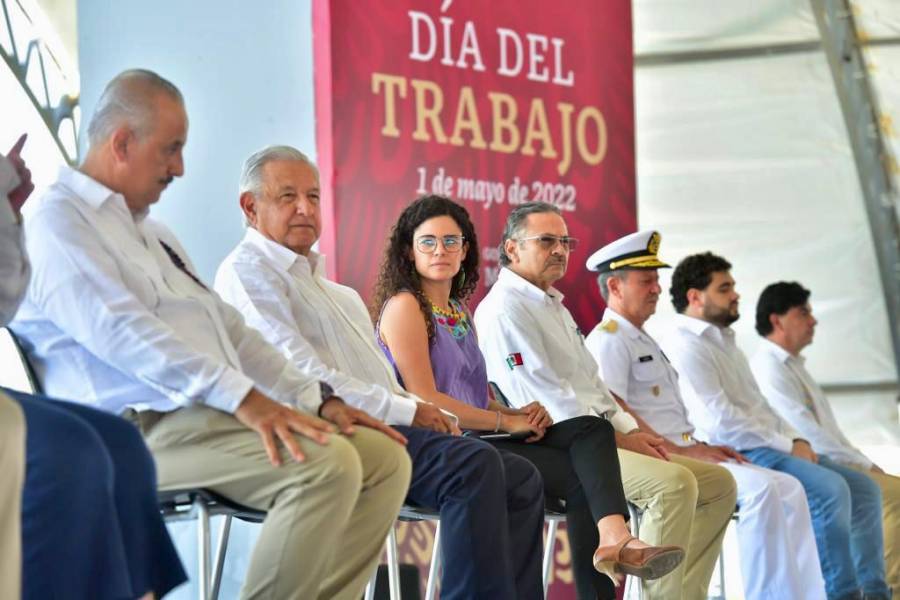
429	270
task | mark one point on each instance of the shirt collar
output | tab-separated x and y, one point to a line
624	324
94	193
512	280
778	352
699	327
284	258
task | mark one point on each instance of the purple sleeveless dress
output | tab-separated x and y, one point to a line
456	361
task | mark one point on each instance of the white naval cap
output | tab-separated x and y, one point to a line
634	251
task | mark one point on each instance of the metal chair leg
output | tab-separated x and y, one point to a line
370	587
633	582
721	568
202	548
373	581
393	565
549	546
435	568
221	549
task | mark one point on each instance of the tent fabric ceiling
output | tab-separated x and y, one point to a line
884	72
749	157
877	19
667	26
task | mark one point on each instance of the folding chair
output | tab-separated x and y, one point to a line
632	583
409	514
554	512
202	504
721	564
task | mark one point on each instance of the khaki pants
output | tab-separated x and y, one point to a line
890	498
12	473
327	517
684	502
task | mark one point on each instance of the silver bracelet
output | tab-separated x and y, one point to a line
497	426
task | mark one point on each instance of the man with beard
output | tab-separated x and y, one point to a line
727	407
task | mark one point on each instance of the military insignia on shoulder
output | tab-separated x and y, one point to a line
609	326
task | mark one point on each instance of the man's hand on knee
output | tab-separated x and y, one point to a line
272	420
345	417
642	443
802	449
429	416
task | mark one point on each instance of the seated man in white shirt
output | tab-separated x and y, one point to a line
727	407
534	351
110	540
491	503
116	319
775	534
785	321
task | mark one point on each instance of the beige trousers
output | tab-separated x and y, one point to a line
890	501
327	517
12	474
684	502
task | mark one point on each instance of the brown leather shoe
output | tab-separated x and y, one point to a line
646	563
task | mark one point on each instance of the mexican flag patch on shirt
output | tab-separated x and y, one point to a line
514	360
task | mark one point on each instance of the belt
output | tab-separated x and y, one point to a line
144	420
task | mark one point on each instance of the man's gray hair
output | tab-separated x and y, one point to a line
129	99
515	224
251	173
602	281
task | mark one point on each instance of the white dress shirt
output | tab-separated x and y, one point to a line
14	268
320	326
111	321
534	351
719	390
635	369
796	396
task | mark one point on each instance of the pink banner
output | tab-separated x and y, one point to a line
491	103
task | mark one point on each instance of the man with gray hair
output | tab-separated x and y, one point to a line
534	351
116	318
277	280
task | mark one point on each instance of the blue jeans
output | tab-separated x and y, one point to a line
846	515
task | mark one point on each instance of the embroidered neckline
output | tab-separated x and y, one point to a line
455	320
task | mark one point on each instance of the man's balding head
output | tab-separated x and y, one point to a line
129	99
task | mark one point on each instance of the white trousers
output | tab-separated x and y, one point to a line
775	535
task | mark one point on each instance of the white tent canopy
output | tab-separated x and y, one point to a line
746	153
